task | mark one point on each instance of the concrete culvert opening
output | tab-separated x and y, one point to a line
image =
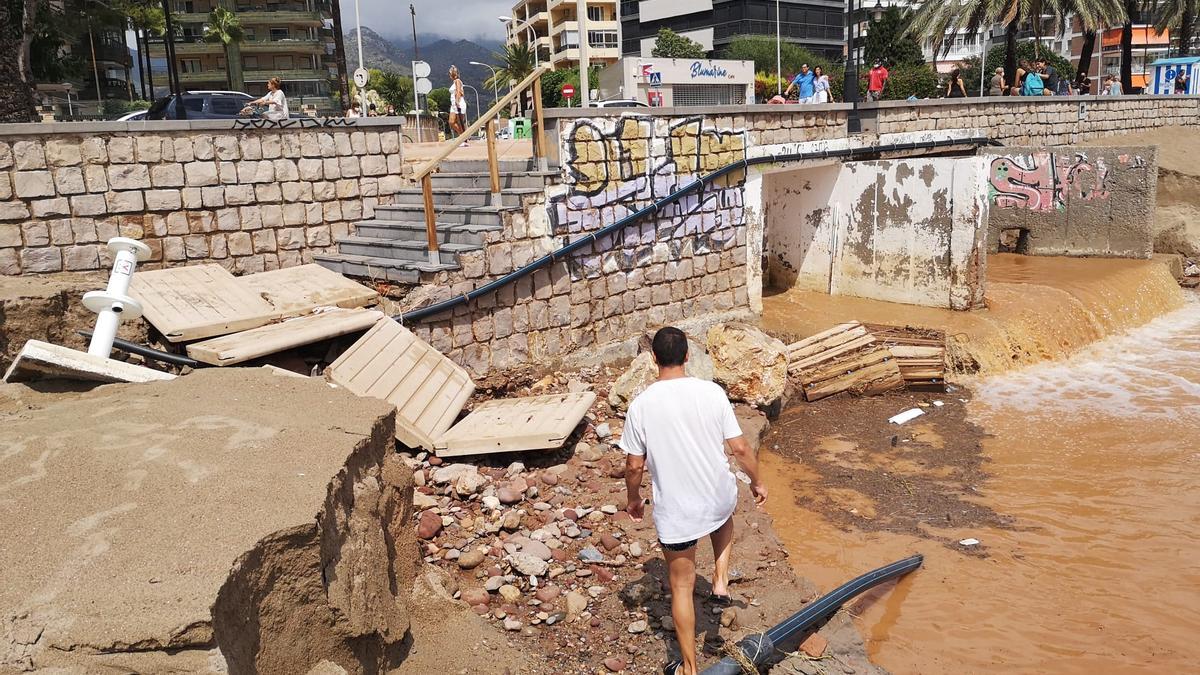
1014	240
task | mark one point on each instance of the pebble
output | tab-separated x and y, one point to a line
609	509
583	573
595	516
729	618
471	559
603	431
588	453
668	623
614	664
475	597
603	574
491	502
609	542
549	478
508	495
547	593
510	593
814	645
511	521
576	603
494	583
635	549
435	461
511	624
528	564
590	554
542	506
429	524
556	617
639	626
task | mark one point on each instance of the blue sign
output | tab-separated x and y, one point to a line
655	79
711	70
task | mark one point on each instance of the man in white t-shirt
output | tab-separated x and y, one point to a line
679	427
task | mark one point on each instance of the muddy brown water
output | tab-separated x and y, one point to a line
1095	455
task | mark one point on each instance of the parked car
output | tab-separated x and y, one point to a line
619	103
134	116
201	105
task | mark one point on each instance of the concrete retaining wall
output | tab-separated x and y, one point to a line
217	191
1083	201
909	231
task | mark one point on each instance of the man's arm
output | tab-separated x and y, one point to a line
634	466
744	454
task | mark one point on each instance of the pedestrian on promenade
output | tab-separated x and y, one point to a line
391	110
274	100
679	427
954	85
1112	87
1181	82
1032	84
821	87
1083	84
353	110
876	81
1018	83
997	87
1050	79
458	104
803	81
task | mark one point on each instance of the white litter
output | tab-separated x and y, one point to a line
969	542
910	414
938	404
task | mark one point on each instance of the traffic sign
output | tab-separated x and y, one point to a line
423	86
568	91
656	79
360	77
420	69
421	83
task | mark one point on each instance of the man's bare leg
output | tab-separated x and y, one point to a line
722	543
681	569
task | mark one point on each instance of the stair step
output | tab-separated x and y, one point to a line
464	196
447	233
376	268
399	249
481	165
450	214
508	179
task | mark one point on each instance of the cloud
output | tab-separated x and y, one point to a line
469	19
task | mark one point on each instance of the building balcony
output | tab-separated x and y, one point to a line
591	25
595	54
281	17
286	75
534	20
197	47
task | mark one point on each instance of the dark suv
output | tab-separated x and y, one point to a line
201	105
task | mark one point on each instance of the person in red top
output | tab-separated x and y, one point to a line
876	81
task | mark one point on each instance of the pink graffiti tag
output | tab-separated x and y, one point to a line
1042	181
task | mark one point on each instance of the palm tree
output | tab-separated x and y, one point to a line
145	19
225	28
517	63
1177	12
1132	14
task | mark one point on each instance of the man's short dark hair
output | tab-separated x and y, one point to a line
670	347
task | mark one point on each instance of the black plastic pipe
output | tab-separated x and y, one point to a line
759	648
590	238
148	352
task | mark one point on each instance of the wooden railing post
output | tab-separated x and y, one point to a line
493	162
539	133
430	220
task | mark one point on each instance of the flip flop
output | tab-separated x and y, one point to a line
722	600
673	667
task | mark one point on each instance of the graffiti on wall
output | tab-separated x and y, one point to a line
1046	181
617	166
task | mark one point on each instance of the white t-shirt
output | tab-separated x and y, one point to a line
280	111
681	426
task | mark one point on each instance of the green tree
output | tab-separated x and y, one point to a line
553	81
515	63
393	88
145	19
1179	15
438	100
761	51
16	36
888	42
225	28
1026	51
672	45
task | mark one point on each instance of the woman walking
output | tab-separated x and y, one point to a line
274	100
458	104
821	92
954	85
997	87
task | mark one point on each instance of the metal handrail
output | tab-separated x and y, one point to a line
742	164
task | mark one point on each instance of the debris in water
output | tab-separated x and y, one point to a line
969	542
910	414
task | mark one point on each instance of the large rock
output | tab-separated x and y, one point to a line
267	515
642	372
1177	230
751	365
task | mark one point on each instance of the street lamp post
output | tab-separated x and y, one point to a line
467	86
495	84
850	82
778	54
530	37
362	90
585	94
172	64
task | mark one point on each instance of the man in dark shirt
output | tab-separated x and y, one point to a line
1049	75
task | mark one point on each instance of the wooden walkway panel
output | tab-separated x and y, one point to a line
515	424
228	350
198	301
390	363
299	290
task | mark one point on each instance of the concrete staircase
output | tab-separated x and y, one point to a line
393	245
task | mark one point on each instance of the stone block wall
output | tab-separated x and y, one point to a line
1073	201
251	199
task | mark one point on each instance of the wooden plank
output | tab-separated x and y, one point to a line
823	335
516	424
856	343
431	240
810	347
874	379
198	301
240	347
848	363
913	352
299	290
493	164
390	363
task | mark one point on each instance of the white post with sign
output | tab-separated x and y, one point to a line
421	86
585	84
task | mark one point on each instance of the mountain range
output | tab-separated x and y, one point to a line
380	52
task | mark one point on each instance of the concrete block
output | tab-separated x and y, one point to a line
27	184
63	153
28	155
41	360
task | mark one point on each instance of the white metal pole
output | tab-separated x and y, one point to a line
778	53
983	63
581	24
417	105
362	91
113	303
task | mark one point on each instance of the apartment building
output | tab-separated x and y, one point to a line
552	29
294	40
818	25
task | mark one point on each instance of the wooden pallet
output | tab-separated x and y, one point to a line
921	352
844	358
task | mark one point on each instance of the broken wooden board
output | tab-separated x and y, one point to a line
199	301
390	363
228	350
920	352
827	345
870	370
39	360
298	290
515	424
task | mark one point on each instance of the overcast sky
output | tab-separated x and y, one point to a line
468	19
